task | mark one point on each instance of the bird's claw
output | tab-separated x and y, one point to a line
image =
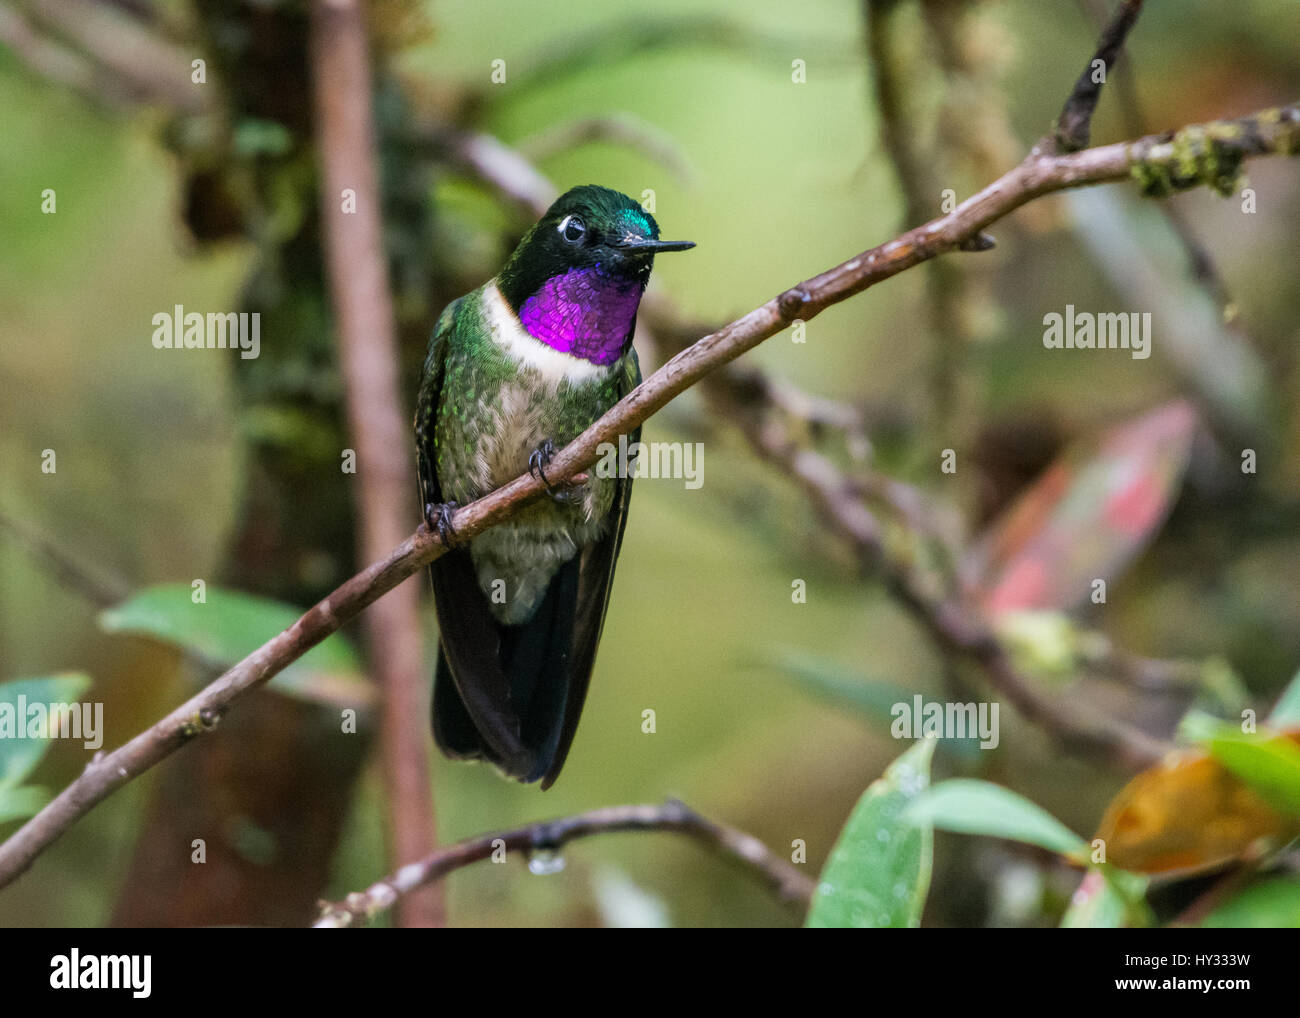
539	459
438	516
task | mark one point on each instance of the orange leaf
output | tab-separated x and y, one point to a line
1189	814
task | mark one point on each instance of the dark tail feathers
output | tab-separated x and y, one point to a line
535	659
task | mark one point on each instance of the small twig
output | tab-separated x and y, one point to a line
951	621
898	132
618	129
65	567
128	57
917	167
1217	893
1074	125
818	413
1200	261
51	59
616	41
781	877
1155	675
493	162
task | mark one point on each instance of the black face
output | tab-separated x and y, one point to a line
588	226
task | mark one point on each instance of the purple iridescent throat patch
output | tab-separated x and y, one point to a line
584	312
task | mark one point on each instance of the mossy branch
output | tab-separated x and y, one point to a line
1212	154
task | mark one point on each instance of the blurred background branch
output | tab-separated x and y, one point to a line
546	840
368	361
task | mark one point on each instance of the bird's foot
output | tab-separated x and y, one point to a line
564	492
438	516
538	460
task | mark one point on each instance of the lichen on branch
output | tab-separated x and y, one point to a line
1211	154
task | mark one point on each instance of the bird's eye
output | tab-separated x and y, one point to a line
572	229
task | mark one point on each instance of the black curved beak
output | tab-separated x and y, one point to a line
648	246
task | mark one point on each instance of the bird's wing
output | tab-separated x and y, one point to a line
472	711
595	581
426	405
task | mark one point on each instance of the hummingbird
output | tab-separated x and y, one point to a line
516	369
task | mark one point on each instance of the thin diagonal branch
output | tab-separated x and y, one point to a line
780	877
124	61
613	42
615	129
1201	263
1074	125
99	588
1156	160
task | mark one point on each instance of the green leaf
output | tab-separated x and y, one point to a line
1268	904
872	697
22	802
19	755
254	136
878	873
1266	760
230	625
1287	709
970	806
1107	899
1268	763
1196	726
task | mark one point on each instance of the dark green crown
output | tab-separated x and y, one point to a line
586	227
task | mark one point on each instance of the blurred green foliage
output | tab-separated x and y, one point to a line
21	749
